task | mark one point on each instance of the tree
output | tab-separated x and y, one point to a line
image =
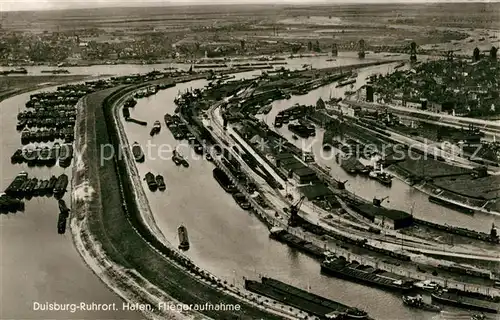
309	46
476	54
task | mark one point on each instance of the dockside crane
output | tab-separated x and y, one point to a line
378	202
294	210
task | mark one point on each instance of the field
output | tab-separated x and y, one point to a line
382	24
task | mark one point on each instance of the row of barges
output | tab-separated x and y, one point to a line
45	156
155	182
24	187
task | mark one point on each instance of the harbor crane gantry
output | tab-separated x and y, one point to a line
378	202
294	212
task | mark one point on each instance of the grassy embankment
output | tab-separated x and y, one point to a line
117	225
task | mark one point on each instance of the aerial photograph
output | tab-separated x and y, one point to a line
253	160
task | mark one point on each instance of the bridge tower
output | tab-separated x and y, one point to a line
361	51
413	52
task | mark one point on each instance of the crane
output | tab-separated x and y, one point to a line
378	202
294	210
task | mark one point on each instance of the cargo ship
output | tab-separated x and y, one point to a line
161	183
224	181
156	128
311	303
138	153
341	268
242	201
151	181
183	238
418	302
345	83
463	300
450	205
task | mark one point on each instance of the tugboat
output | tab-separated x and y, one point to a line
241	200
183	238
382	177
138	153
156	128
161	183
418	302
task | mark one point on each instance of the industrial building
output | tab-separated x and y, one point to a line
387	218
295	168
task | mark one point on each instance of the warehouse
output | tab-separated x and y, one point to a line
295	168
387	218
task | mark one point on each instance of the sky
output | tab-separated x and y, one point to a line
29	5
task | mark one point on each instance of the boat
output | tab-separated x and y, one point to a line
52	184
450	205
418	302
10	204
61	223
241	200
183	238
294	137
151	181
63	208
179	159
341	268
345	83
138	153
65	155
156	128
15	186
462	300
308	302
224	181
161	183
209	157
381	176
56	71
60	186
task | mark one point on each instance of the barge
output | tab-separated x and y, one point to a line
183	238
224	181
161	183
450	205
418	302
295	242
311	303
461	300
137	152
10	204
60	186
242	201
151	181
341	268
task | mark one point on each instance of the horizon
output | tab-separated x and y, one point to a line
58	5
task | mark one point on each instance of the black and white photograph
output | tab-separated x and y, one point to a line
249	159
